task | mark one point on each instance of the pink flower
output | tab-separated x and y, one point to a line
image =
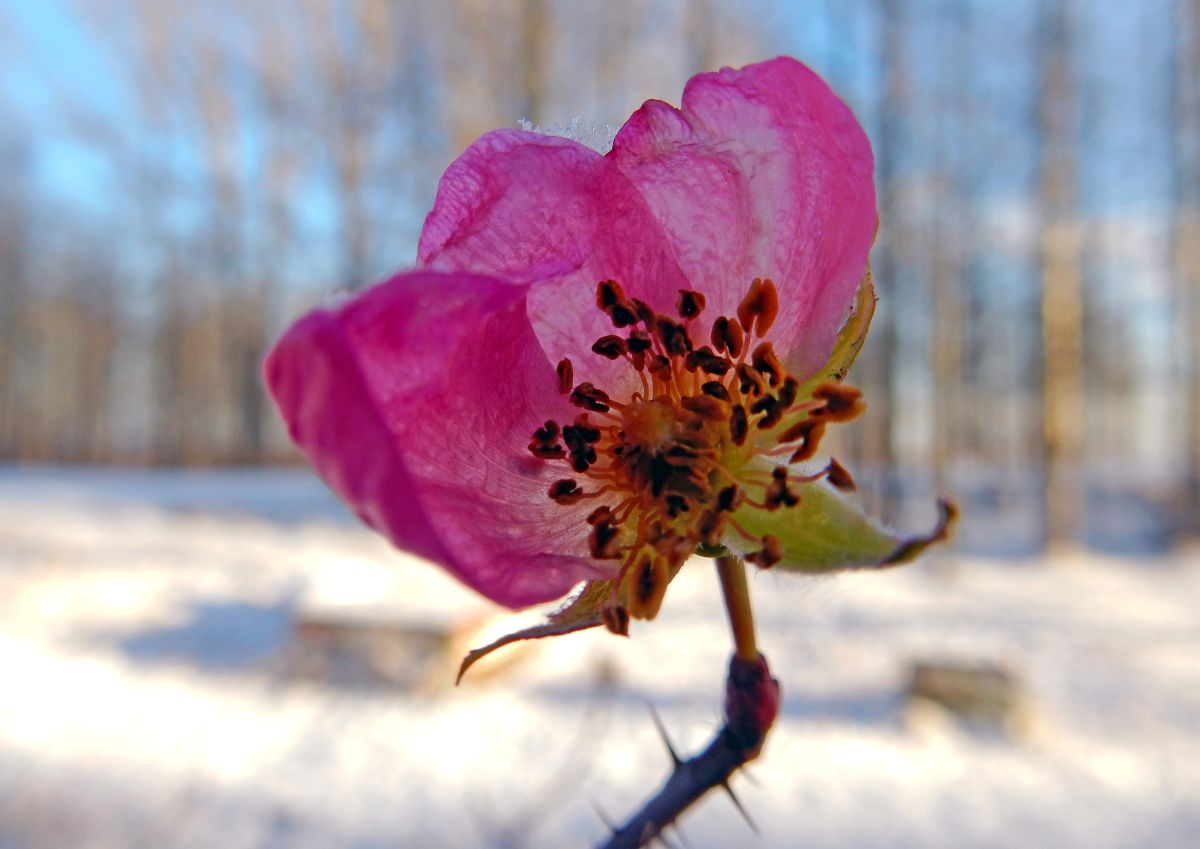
605	363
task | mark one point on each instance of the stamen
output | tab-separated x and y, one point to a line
644	313
750	381
717	390
610	297
729	499
727	337
689	304
758	310
638	342
842	403
599	514
708	362
770	554
707	407
610	347
813	430
616	620
772	410
565	492
674	336
739	427
778	493
788	392
647	587
587	396
838	477
767	363
545	442
566	376
605	540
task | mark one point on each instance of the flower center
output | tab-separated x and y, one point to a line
703	434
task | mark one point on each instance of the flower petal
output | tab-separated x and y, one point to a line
827	533
415	402
543	210
763	172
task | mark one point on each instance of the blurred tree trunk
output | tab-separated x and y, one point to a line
14	296
535	37
879	370
1185	235
947	262
1062	295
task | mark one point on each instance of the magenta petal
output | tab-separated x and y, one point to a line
544	210
415	401
764	172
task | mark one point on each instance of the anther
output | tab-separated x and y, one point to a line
565	491
708	362
711	527
643	312
608	294
771	410
707	407
676	504
674	336
739	426
729	499
638	342
566	376
660	367
770	554
727	337
787	393
605	540
811	431
778	493
610	347
689	304
716	389
758	310
647	587
750	382
581	435
842	403
616	620
838	477
767	364
610	297
587	396
545	442
600	514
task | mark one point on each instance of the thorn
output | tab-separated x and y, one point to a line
741	810
744	769
676	762
604	818
662	838
683	838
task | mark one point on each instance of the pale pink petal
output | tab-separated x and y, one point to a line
415	401
763	172
543	210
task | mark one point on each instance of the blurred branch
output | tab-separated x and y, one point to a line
751	704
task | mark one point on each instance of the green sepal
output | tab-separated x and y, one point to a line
581	612
826	532
850	338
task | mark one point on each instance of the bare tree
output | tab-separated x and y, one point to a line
1185	236
1062	296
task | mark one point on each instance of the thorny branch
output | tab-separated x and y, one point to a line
751	704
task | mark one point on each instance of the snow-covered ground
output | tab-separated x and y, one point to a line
156	633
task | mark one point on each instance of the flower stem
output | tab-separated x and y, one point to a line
731	571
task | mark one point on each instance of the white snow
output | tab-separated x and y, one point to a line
146	621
